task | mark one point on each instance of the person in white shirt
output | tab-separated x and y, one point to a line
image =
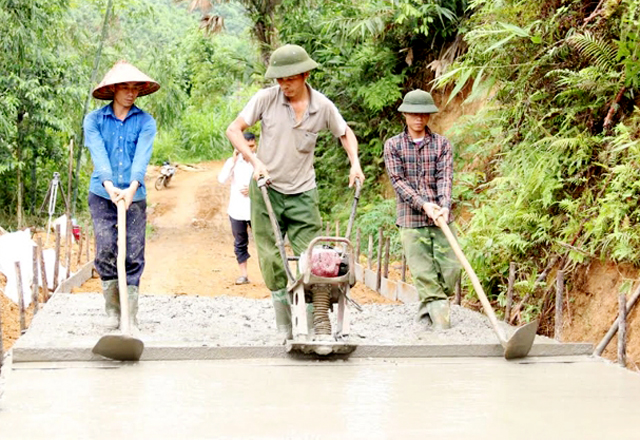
239	171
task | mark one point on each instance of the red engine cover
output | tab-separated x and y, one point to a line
325	262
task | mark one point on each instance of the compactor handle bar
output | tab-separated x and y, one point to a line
263	182
352	217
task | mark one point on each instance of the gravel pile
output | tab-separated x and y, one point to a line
72	319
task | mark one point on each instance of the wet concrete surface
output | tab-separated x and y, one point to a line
571	398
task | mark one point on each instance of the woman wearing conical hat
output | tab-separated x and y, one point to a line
120	139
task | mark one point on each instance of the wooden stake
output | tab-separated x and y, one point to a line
614	327
370	254
69	245
338	228
56	268
622	330
387	243
43	272
512	279
34	283
403	275
69	230
1	343
88	246
23	324
379	262
458	298
80	241
542	277
358	238
326	233
557	334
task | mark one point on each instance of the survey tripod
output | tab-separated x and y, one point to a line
51	199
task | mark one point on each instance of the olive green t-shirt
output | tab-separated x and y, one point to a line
286	146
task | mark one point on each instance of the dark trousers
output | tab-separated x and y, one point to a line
239	228
105	220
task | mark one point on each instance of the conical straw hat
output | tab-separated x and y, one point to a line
123	72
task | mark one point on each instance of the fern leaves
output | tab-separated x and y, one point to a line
601	52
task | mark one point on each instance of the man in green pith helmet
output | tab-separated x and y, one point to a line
292	113
420	166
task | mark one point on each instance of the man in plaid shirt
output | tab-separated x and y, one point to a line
420	166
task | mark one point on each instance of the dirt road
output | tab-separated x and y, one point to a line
190	246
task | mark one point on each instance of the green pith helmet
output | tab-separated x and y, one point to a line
418	101
289	60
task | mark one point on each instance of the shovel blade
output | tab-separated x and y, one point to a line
521	341
119	347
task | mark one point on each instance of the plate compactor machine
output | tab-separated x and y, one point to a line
326	272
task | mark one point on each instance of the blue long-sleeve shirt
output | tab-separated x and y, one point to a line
120	150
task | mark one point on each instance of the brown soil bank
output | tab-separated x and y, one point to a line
593	307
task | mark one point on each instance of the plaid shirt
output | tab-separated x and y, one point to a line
419	173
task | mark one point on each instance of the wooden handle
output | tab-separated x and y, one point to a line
474	278
121	266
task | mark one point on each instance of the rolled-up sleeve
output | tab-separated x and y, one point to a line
94	142
396	173
144	149
252	112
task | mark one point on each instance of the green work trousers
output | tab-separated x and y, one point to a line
299	219
433	264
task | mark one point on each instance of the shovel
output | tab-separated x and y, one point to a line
121	347
520	343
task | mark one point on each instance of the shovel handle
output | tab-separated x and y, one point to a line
440	221
121	266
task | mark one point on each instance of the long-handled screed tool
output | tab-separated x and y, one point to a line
520	343
123	346
326	275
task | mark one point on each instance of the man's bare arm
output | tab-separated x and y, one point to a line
350	145
235	132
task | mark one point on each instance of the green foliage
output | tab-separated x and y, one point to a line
36	97
212	78
380	213
548	177
370	54
46	68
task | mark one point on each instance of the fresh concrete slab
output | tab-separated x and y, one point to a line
190	327
356	399
157	351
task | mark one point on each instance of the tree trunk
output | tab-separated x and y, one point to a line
262	14
19	178
20	214
34	183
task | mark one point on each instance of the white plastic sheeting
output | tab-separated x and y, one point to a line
18	247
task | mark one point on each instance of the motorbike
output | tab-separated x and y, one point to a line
166	173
